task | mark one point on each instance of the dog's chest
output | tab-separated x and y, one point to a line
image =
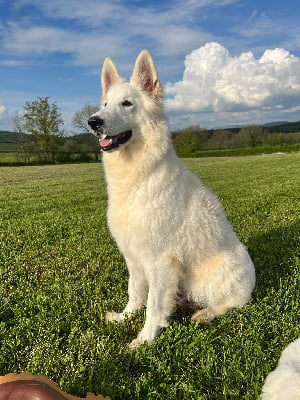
128	215
137	220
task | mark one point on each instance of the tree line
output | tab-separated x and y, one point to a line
193	139
40	129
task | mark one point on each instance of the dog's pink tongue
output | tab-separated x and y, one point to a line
105	142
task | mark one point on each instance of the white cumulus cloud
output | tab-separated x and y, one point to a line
3	110
216	81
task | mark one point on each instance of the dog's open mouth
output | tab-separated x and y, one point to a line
108	143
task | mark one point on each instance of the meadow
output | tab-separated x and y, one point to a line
60	271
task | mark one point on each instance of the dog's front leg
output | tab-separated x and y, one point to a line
160	304
137	293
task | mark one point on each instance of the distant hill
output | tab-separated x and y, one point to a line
275	126
9	137
275	123
284	127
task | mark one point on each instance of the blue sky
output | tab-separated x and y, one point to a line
221	62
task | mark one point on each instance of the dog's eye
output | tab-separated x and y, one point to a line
105	104
126	103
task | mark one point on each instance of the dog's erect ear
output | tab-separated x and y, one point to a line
145	75
109	76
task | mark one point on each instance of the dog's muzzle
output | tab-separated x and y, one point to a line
106	142
95	123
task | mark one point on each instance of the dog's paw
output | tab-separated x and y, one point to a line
203	316
111	316
137	343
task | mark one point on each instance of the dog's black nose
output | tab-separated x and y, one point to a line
95	122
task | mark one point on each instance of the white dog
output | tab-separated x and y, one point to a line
172	231
284	382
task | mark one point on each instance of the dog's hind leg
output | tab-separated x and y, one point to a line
208	314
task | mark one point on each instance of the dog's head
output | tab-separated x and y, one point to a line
126	107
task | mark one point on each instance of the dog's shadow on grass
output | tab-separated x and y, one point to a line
273	254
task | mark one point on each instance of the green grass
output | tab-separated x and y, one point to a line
60	271
10	157
249	151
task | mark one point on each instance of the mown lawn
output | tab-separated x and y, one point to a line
60	271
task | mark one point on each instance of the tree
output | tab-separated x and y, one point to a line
43	120
253	135
81	117
80	122
187	141
220	139
25	145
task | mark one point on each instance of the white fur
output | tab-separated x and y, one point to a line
284	382
172	230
